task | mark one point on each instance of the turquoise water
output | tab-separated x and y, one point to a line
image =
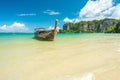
10	38
7	39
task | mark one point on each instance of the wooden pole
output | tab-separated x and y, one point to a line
56	23
55	28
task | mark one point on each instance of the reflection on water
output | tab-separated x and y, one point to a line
85	77
88	76
118	50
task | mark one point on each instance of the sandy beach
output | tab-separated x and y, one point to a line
79	57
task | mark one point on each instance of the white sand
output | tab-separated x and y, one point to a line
92	58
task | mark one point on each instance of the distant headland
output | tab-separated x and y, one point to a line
106	25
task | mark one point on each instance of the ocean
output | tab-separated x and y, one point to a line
71	56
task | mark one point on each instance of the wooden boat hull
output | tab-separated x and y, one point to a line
48	35
44	34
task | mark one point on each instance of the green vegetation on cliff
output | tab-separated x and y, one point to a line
105	25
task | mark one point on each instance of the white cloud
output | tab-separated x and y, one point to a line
66	20
15	27
3	28
94	8
31	14
51	12
99	9
116	12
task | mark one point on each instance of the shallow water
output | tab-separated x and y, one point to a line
93	56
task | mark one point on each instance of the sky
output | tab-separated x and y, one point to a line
25	15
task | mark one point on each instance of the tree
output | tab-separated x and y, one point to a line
110	29
117	29
106	25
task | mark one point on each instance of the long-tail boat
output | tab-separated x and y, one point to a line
45	34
